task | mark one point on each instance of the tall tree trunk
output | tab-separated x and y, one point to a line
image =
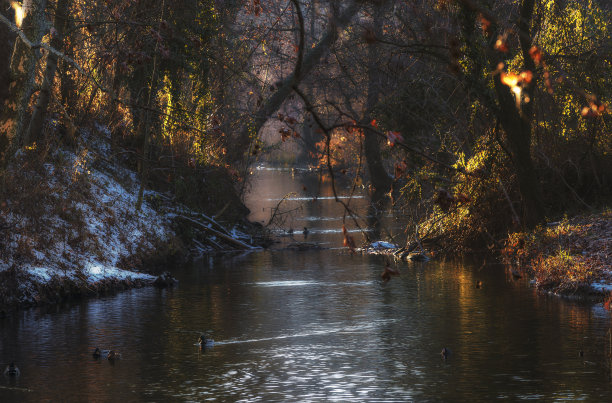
146	127
7	40
380	180
68	93
23	72
309	136
40	109
516	122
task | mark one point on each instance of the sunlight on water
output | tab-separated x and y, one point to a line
299	283
365	327
286	283
313	198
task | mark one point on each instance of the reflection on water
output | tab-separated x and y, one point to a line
303	199
316	198
313	326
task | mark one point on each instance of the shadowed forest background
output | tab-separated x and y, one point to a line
359	200
474	117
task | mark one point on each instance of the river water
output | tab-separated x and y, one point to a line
314	325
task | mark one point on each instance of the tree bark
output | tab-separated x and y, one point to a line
516	122
145	126
380	180
23	72
7	40
34	131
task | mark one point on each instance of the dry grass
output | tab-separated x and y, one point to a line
568	256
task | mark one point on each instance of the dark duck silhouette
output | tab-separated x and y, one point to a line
108	354
388	272
445	353
12	370
165	280
205	342
113	355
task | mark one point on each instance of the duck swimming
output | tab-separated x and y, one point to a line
98	353
113	355
205	342
108	354
12	370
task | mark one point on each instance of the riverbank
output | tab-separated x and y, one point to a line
572	257
70	227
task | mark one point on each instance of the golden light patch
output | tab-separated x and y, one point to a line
19	13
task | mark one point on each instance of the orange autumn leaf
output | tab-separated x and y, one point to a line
501	45
526	76
400	169
510	79
285	133
485	24
349	242
394	137
388	272
536	54
587	112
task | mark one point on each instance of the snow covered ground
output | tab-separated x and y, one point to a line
87	229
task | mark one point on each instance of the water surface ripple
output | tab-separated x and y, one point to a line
313	326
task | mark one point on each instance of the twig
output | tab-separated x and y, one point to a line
277	207
503	189
327	132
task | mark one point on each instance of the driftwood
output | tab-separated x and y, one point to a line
225	237
177	209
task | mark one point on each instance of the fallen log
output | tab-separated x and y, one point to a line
225	237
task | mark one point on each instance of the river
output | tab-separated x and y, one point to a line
314	326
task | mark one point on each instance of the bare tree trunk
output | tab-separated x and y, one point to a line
309	136
40	109
145	127
378	175
517	125
7	40
23	69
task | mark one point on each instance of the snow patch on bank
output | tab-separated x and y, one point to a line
382	245
98	272
602	287
87	228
